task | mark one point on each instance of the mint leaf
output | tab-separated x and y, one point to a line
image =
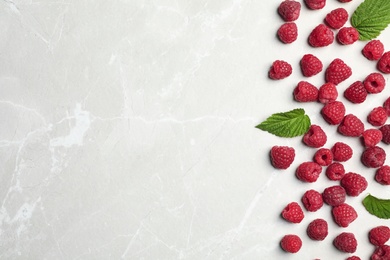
288	124
377	207
371	18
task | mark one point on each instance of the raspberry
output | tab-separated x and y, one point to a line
288	32
373	157
334	195
373	50
323	157
315	137
385	129
305	92
351	126
317	229
293	213
321	36
382	175
371	137
379	235
344	214
291	243
374	83
347	35
315	4
377	116
341	152
337	18
289	10
335	171
354	184
337	72
356	92
383	64
308	171
312	200
310	65
386	106
345	242
353	258
344	1
327	93
280	70
282	156
333	112
381	253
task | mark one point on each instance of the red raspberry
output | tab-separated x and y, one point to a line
385	129
282	156
280	70
347	35
308	171
373	50
379	235
337	71
310	65
315	4
317	229
386	106
383	64
323	157
354	184
337	18
288	32
321	36
345	242
356	92
315	137
377	116
312	200
327	93
335	171
353	258
344	1
351	126
333	112
293	213
334	195
291	243
382	175
381	253
344	214
341	152
374	83
289	10
371	137
373	157
305	92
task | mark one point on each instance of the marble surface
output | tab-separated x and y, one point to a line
128	130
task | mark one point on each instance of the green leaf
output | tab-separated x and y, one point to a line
377	207
288	124
371	18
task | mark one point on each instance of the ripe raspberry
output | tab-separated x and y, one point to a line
280	70
371	137
382	175
344	1
317	229
379	235
312	200
335	171
351	126
353	258
310	65
341	152
385	129
289	10
327	93
315	137
288	32
308	171
373	50
337	18
321	36
333	112
381	253
354	184
334	195
374	83
373	157
344	214
345	242
293	213
383	64
386	106
291	243
315	4
305	92
347	35
337	71
323	157
282	156
356	92
377	116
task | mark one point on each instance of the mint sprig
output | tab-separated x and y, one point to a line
287	124
377	207
371	18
